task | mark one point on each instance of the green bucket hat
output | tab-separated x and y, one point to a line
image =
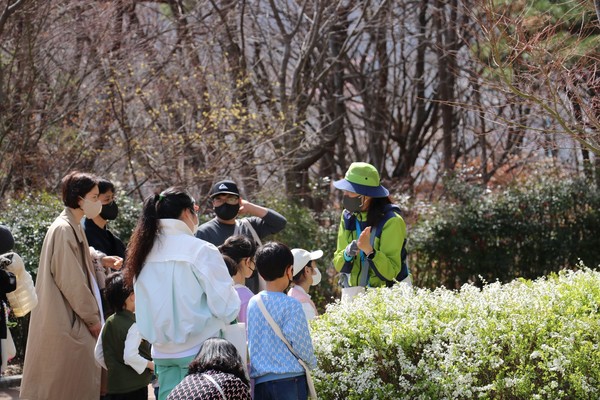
362	178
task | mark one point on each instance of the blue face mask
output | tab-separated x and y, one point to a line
353	204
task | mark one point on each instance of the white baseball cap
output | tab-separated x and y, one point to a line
303	257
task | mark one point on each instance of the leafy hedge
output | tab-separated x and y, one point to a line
30	216
28	219
522	340
528	230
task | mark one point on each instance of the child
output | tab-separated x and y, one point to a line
238	252
120	348
276	371
306	275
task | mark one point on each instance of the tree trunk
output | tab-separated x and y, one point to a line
446	43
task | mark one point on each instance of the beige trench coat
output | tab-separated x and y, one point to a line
59	359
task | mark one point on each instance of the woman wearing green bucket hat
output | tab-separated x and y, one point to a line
371	242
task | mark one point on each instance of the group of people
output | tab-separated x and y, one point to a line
112	318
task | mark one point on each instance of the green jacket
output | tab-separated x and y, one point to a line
388	248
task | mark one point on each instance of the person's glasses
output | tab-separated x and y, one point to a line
231	200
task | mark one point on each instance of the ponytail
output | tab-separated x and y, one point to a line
169	204
142	240
232	266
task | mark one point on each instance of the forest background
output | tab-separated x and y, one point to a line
482	117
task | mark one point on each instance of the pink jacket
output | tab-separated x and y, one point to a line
308	306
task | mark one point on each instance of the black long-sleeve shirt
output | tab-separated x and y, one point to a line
216	232
103	240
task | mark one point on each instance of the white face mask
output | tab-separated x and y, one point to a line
91	209
316	277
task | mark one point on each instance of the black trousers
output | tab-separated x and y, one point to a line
140	394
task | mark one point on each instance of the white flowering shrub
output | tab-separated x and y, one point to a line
523	340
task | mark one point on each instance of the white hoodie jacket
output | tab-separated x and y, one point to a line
184	294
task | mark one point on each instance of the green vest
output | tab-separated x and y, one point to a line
121	377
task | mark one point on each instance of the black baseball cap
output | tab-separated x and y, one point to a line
224	187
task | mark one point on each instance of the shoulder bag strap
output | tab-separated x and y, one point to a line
248	225
274	326
277	330
236	230
214	382
371	263
376	231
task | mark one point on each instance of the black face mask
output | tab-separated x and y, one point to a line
110	211
227	211
352	204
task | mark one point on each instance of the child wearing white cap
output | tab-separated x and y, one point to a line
306	274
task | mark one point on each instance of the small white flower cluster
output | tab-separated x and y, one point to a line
525	339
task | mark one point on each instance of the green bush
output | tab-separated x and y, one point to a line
129	212
522	340
28	218
528	230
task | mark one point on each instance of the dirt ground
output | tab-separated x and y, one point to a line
13	393
9	389
7	394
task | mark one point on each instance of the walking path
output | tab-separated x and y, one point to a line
9	394
9	388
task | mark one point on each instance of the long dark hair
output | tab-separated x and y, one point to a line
219	355
169	204
377	209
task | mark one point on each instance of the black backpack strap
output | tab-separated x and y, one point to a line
391	212
349	221
347	267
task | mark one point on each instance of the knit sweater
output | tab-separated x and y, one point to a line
270	358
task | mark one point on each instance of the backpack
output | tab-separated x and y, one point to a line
390	211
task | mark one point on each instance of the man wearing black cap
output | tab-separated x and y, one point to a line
227	204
